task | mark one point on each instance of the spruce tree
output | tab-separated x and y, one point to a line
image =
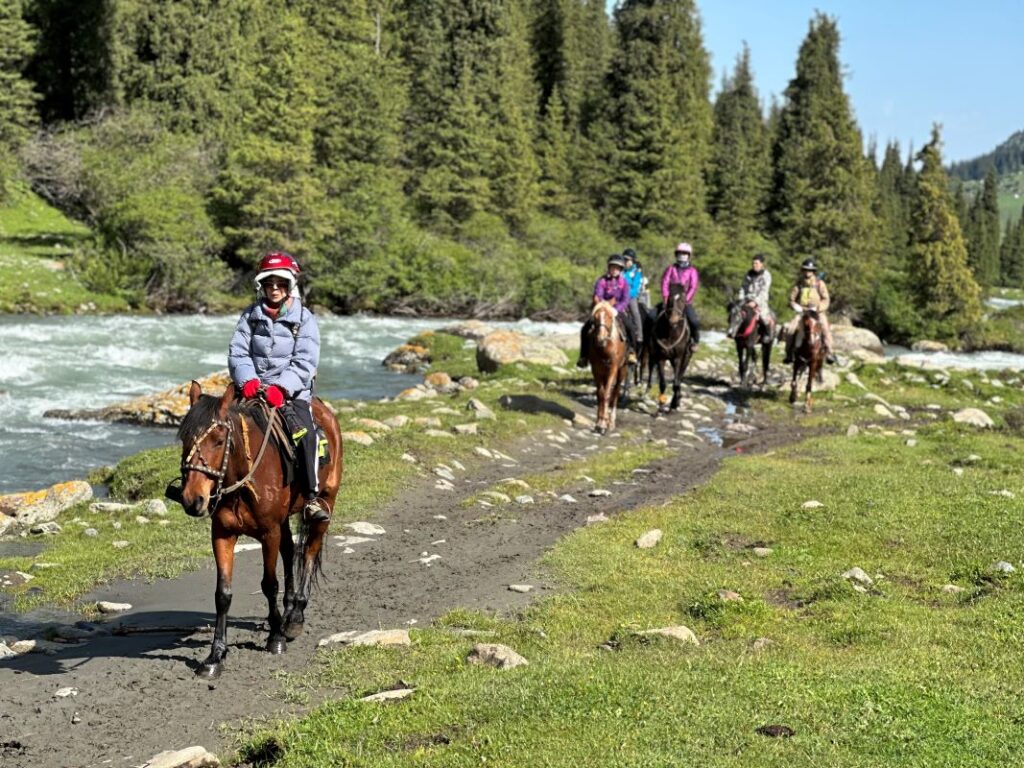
657	122
269	196
983	232
945	292
553	158
17	99
822	190
740	155
1012	254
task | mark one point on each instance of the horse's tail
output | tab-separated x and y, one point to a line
302	539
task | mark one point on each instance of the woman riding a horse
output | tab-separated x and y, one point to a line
613	288
810	292
683	273
274	353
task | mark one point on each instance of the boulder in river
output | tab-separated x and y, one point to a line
165	408
924	345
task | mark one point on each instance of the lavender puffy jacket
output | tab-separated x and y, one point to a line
267	350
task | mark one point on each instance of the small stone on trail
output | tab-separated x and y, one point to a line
958	471
90	532
1003	567
106	607
119	544
481	410
440	517
911	443
515	483
649	539
63	693
952	589
522	588
409	458
247	546
728	596
498	496
357	437
495	655
429	559
365	529
375	637
974	417
599	492
348	541
567	498
812	504
483	452
467	429
191	757
524	499
600	517
762	551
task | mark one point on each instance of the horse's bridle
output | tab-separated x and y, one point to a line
219	490
667	314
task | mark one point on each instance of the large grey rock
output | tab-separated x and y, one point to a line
847	338
37	507
506	347
165	408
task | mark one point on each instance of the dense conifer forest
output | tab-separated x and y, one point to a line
471	156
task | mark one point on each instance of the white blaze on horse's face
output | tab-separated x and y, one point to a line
198	486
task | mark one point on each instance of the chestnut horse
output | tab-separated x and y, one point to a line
809	356
607	353
668	338
749	333
247	493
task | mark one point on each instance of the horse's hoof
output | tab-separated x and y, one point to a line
277	645
292	631
210	671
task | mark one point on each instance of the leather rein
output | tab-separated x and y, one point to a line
219	474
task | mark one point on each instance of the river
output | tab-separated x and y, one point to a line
88	362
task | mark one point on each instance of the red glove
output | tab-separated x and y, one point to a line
274	396
250	388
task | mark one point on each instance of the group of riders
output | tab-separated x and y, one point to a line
625	286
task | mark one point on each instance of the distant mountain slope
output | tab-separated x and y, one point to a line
1007	158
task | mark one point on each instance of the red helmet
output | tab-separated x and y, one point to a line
278	264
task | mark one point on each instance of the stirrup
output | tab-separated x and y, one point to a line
582	362
317	511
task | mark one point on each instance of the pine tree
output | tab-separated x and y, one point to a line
740	155
945	292
1011	254
983	232
553	158
269	196
656	131
822	191
17	99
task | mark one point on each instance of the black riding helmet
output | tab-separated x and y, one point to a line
808	266
629	253
615	260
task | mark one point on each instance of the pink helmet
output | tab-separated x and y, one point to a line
684	248
279	264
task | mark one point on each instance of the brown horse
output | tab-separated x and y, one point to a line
668	338
808	356
750	332
247	494
607	353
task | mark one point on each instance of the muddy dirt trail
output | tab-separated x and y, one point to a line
137	693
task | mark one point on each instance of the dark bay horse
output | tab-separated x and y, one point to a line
230	472
607	353
745	318
668	338
808	356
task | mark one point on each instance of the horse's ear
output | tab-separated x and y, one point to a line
226	399
194	392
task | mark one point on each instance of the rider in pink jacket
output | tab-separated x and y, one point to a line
685	274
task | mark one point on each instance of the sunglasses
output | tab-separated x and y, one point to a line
275	285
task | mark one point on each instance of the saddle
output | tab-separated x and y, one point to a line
287	432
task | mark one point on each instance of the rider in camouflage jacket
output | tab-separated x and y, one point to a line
756	286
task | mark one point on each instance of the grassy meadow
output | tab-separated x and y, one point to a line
921	667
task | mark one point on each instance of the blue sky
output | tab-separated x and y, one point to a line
909	63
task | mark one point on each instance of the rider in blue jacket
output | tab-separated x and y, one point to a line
275	351
634	275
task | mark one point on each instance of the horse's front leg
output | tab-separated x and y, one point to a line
793	383
224	555
678	366
812	371
766	359
617	388
271	548
741	356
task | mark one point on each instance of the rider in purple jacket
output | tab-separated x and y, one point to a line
612	287
685	274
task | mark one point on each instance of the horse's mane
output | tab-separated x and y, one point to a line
603	305
207	408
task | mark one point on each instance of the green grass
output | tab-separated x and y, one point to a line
35	242
903	675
